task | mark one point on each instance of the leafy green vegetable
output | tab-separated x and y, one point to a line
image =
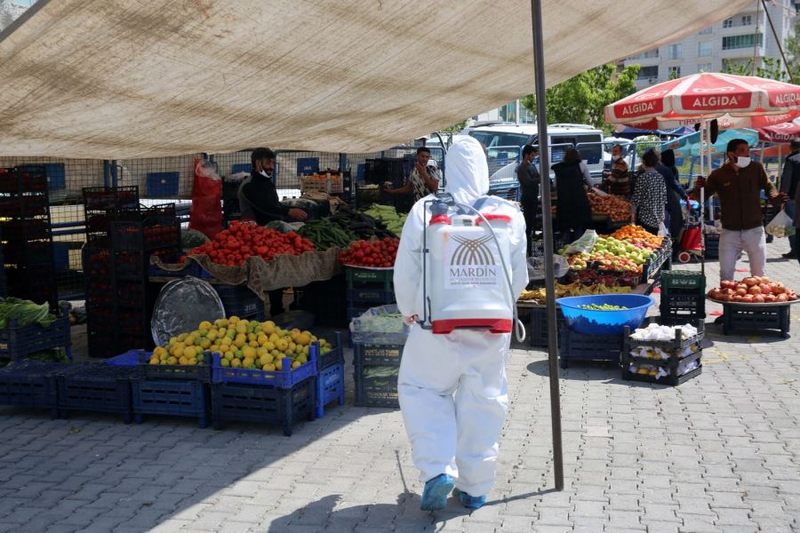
24	312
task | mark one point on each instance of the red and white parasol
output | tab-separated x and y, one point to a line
780	133
705	96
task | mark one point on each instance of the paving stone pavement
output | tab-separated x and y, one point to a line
718	453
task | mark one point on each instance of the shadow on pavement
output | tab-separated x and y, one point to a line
606	372
405	515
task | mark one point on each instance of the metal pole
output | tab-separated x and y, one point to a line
547	227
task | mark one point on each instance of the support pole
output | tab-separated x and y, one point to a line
547	227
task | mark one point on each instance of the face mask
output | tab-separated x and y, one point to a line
615	157
264	173
742	162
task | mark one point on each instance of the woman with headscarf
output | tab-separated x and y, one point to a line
574	214
674	195
649	195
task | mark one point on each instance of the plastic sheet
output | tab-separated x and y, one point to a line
368	329
181	305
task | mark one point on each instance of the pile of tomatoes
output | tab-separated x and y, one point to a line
379	253
753	289
232	247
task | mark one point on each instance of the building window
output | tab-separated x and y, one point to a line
742	41
674	72
704	67
734	22
747	20
706	31
649	54
704	49
727	23
646	73
674	51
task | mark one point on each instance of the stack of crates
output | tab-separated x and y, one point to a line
376	357
368	288
118	301
683	297
664	362
26	233
712	245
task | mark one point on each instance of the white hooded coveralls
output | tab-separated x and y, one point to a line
452	387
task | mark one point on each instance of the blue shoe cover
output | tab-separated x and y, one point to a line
470	502
437	489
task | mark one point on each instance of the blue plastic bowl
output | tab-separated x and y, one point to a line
604	322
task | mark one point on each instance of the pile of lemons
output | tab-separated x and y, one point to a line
241	344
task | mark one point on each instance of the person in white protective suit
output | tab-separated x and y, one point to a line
452	387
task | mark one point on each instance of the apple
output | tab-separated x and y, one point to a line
750	281
741	286
782	298
728	284
755	289
759	299
748	297
741	291
769	298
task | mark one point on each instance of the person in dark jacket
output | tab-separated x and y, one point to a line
529	179
574	214
790	177
258	200
675	194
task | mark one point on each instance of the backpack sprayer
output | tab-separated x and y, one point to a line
467	281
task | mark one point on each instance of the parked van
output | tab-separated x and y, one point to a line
504	141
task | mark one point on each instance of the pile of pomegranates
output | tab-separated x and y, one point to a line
752	290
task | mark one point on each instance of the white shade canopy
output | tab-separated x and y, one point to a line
119	79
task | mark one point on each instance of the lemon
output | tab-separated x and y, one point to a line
269	367
205	344
212	335
204	325
228	355
235	363
154	360
183	360
249	352
296	364
172	360
221	322
248	362
233	319
189	351
239	341
225	362
225	342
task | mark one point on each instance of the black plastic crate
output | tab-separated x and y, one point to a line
30	384
188	399
712	246
96	388
26	178
22	231
103	198
377	354
756	318
364	278
262	404
574	346
682	304
336	355
369	296
657	260
376	386
240	301
537	325
18	341
670	380
24	206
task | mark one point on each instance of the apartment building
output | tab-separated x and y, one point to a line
741	39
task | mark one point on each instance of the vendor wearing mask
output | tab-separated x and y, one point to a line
258	200
738	184
423	179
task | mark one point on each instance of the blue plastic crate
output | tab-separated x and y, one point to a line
163	184
129	358
260	404
30	384
307	165
200	373
18	341
97	388
56	176
330	387
174	398
286	378
240	301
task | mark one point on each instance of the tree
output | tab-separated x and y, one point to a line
583	98
770	68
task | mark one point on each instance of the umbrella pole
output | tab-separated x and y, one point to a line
547	228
